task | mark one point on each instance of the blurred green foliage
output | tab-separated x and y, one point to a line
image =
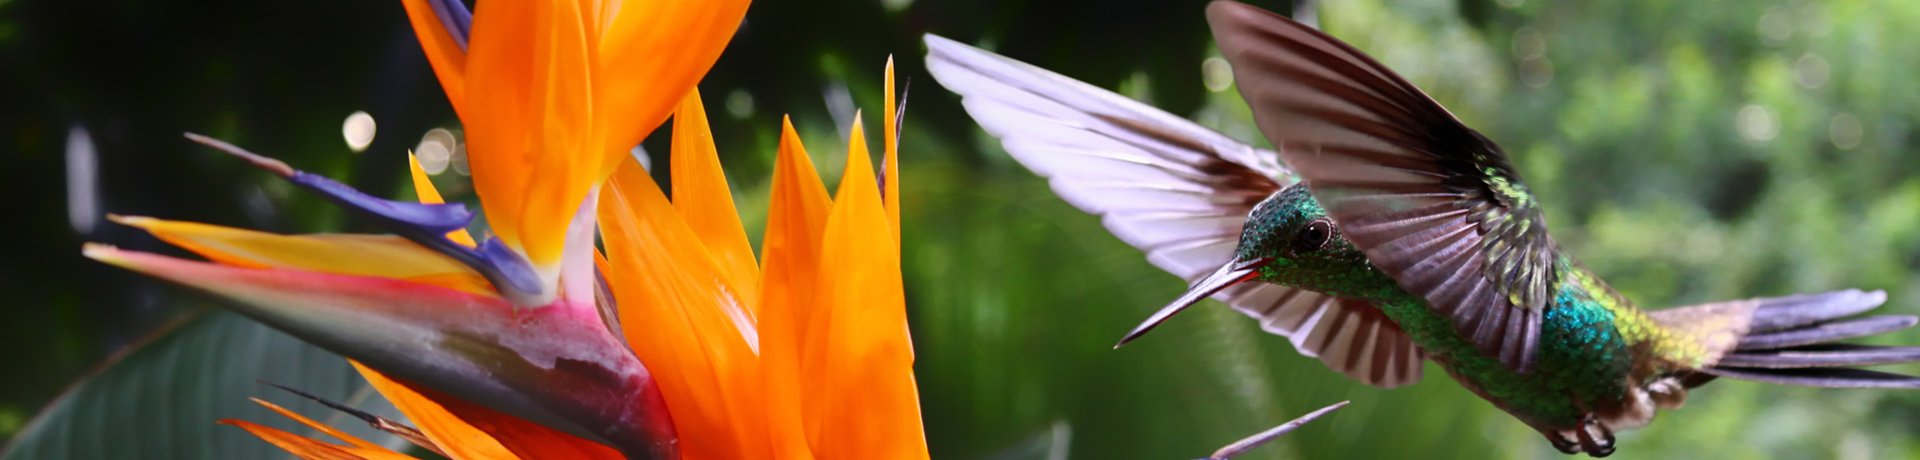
1687	151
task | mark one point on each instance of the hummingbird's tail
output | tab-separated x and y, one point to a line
1796	340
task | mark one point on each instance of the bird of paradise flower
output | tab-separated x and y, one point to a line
675	341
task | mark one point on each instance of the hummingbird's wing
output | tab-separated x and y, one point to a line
1431	202
1349	336
1176	190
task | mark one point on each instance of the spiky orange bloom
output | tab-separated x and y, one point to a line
801	353
817	364
554	93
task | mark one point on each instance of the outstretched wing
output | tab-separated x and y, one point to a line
1431	202
1177	191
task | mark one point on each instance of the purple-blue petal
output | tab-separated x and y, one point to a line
422	223
430	218
428	224
505	268
455	17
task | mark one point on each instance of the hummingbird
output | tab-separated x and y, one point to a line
1382	233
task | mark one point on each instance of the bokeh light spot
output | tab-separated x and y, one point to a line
740	104
1216	74
358	131
1757	123
1529	43
1776	26
1811	71
435	150
1846	131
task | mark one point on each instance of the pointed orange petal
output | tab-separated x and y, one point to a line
448	59
317	426
683	320
385	256
890	141
791	252
651	54
531	139
862	400
701	194
459	439
424	191
522	438
309	449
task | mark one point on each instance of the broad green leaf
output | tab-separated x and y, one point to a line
159	399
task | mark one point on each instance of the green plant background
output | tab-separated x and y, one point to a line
1687	151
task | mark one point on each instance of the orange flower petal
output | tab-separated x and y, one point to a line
448	59
384	256
457	438
532	144
522	438
858	362
651	54
301	446
424	191
701	194
683	320
890	141
790	252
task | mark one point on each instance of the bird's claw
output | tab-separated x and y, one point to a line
1591	437
1595	439
1561	440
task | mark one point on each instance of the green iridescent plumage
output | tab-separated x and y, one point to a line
1590	335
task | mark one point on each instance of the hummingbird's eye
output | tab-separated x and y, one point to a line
1314	236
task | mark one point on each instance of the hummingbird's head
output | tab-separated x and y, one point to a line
1289	240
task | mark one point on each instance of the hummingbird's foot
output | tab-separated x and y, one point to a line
1595	438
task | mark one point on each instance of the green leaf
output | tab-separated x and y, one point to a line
160	399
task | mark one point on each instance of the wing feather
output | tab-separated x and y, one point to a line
1432	203
1177	191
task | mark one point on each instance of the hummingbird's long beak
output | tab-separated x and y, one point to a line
1234	272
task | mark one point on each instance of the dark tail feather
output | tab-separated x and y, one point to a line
1825	355
1794	341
